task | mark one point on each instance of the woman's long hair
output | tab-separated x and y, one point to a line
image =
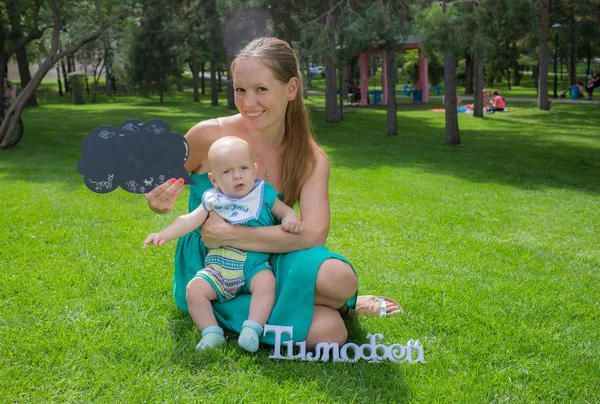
298	143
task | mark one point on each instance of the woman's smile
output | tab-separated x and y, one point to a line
256	114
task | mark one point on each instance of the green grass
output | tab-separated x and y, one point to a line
492	247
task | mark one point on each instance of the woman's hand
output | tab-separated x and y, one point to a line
214	231
162	198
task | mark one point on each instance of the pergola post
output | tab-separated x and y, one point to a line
384	84
364	78
424	74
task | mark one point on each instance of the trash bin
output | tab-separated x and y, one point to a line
575	94
376	94
376	97
417	96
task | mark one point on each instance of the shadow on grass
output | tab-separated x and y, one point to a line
557	150
341	382
525	148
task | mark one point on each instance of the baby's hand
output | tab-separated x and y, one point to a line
291	226
154	238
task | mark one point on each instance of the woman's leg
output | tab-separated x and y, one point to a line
326	326
336	283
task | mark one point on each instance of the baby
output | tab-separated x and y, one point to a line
239	198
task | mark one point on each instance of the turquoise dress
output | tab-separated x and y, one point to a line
295	275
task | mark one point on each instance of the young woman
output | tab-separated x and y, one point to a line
313	285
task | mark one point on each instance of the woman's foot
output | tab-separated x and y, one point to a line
377	306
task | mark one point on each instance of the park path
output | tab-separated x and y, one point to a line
508	99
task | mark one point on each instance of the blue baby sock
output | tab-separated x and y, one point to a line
212	337
249	336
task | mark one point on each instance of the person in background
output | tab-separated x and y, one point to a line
498	103
593	80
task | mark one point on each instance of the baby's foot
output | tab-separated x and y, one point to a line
249	336
212	337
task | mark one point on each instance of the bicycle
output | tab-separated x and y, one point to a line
17	133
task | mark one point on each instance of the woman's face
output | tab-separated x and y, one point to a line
260	97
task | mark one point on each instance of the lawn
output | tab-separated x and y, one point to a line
492	247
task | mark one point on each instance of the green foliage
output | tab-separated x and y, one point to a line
153	53
442	30
411	65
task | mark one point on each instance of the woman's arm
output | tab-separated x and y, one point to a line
314	212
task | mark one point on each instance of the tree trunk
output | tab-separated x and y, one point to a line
508	78
108	60
202	82
288	24
470	69
307	80
214	95
479	62
97	75
87	82
572	53
25	74
65	80
543	98
341	86
219	83
332	114
230	89
535	72
213	37
392	107
450	102
60	91
13	114
194	69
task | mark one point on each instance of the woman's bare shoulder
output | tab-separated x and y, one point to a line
200	137
320	155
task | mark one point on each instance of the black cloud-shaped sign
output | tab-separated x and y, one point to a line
136	156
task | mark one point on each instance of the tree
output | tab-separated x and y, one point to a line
153	57
21	28
385	23
441	25
543	99
332	113
14	113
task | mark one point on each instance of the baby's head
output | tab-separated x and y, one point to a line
232	165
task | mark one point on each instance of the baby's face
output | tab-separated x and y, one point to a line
234	172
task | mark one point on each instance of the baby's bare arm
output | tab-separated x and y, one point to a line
290	221
180	227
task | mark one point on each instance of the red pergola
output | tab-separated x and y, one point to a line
364	75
